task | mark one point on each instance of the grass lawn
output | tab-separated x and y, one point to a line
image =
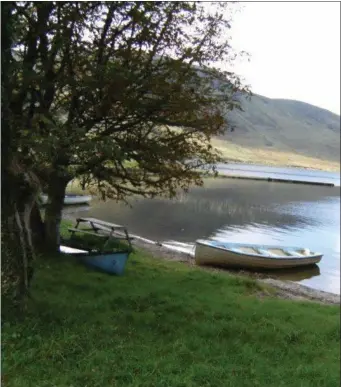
165	324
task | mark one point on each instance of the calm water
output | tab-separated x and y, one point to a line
242	211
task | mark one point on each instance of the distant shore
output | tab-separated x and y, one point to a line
238	154
275	180
331	168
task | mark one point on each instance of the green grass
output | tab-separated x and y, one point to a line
165	324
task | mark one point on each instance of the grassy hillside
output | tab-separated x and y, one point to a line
271	156
293	128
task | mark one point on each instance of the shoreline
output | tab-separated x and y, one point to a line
275	165
283	289
276	180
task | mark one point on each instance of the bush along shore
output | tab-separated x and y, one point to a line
165	324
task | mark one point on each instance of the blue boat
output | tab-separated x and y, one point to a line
109	262
112	263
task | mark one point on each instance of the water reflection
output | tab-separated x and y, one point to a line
240	211
293	274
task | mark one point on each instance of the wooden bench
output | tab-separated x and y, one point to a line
98	222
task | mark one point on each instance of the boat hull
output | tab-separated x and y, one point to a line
216	256
71	199
113	263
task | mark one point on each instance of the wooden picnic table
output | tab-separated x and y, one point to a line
99	222
112	230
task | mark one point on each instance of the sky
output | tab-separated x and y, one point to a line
294	50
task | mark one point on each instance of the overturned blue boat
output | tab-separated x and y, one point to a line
109	262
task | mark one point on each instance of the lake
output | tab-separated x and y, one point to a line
242	211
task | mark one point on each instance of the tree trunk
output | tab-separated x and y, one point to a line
19	185
18	252
38	229
53	214
18	198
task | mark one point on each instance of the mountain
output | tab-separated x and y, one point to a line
286	126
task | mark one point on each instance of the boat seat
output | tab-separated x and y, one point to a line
267	253
294	253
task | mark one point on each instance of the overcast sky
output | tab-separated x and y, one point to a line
295	50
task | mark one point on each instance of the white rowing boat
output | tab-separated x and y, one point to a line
253	256
71	199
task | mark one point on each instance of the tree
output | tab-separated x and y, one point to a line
101	86
19	185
